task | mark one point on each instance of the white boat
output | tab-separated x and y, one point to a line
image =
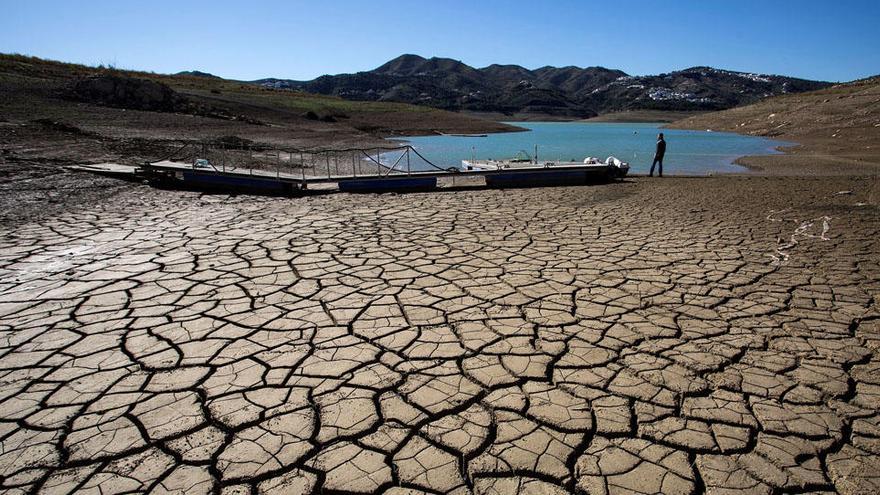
613	166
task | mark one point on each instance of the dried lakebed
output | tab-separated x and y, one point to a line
638	337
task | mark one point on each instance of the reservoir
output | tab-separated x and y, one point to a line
687	152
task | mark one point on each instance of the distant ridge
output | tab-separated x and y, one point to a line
196	73
561	91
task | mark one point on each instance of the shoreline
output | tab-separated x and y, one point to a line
623	117
744	161
795	149
834	131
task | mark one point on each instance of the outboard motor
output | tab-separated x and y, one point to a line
616	167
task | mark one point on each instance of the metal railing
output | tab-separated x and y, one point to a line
252	158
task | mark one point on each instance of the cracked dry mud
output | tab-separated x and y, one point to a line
629	338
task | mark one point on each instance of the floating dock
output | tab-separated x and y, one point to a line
257	181
294	173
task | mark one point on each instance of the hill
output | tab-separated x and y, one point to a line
836	128
197	73
113	104
571	92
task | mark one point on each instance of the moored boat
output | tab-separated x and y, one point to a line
613	166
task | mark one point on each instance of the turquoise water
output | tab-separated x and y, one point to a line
687	152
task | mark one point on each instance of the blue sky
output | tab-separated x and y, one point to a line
834	41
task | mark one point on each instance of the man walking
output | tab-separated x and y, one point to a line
658	155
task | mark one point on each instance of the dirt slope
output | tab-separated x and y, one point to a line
837	129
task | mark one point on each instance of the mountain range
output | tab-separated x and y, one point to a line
558	91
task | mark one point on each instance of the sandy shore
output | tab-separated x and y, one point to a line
676	335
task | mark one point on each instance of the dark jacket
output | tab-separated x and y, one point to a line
661	149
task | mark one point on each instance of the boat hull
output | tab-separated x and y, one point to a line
615	170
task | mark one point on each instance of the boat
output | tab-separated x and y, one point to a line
612	167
